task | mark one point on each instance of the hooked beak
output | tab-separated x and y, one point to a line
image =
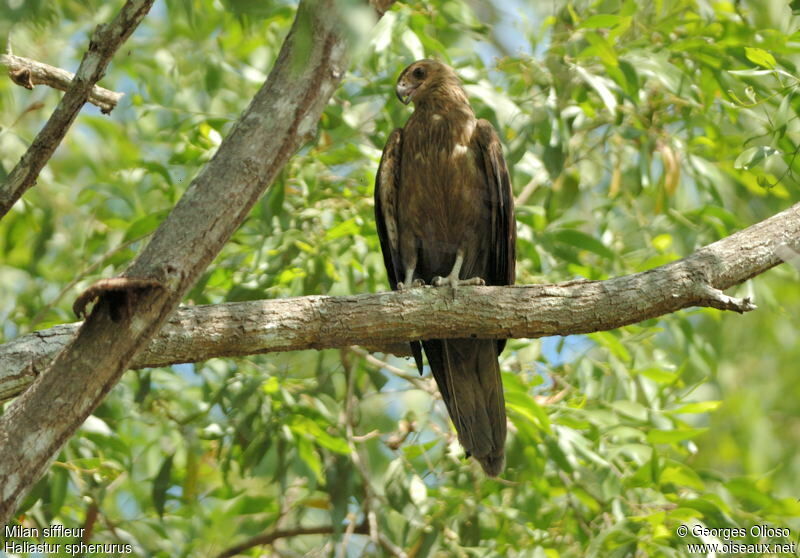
404	92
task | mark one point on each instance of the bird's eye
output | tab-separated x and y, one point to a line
419	73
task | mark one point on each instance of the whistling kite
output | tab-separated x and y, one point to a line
445	215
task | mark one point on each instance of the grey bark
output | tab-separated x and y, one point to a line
29	73
385	320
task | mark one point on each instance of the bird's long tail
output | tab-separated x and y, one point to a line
468	376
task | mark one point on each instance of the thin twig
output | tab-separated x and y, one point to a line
88	523
29	73
527	192
348	532
390	547
419	383
348	413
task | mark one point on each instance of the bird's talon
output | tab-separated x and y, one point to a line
401	286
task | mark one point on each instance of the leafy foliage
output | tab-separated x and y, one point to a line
636	132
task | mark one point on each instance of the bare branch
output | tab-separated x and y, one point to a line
28	73
389	319
105	41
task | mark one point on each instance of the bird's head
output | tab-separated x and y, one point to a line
424	79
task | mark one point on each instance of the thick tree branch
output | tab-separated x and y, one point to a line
282	115
28	73
105	41
195	334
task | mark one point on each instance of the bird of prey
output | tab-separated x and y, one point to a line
445	217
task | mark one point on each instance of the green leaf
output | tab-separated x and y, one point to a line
599	85
309	428
145	225
411	41
583	241
612	343
681	475
673	436
698	407
783	115
600	20
416	450
308	455
417	490
760	57
524	405
631	409
347	228
752	156
658	375
59	481
161	484
600	48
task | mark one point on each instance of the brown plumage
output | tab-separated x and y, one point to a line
445	215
